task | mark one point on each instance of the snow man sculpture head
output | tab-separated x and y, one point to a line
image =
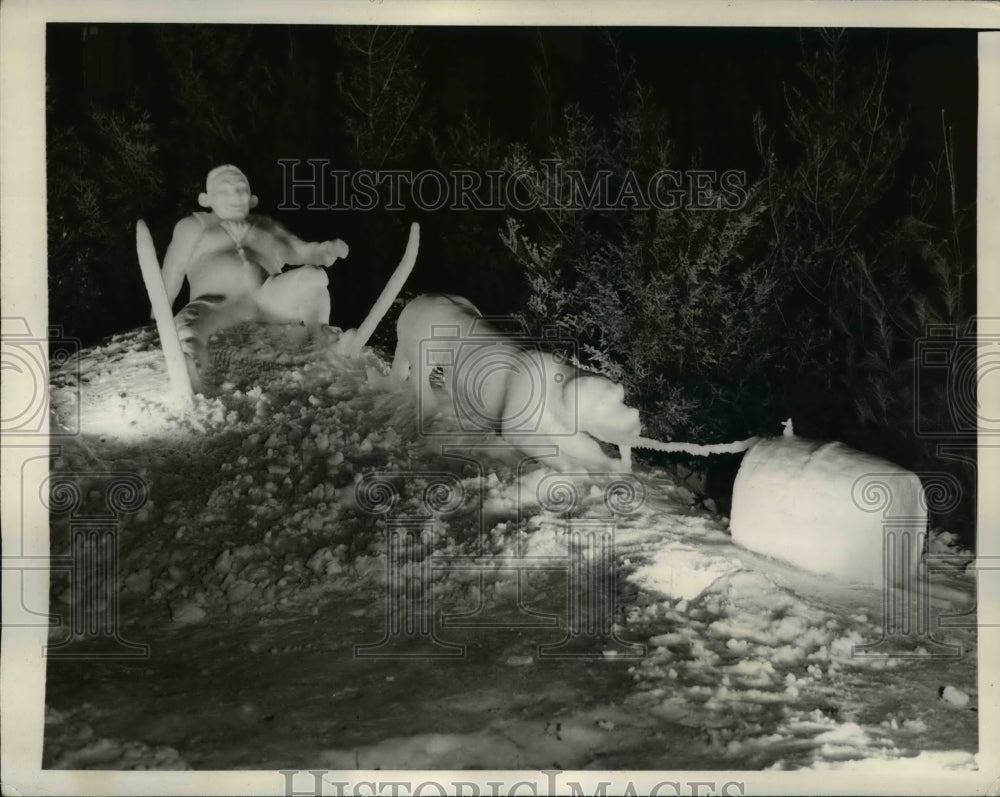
227	193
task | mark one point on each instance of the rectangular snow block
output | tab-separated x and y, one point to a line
830	509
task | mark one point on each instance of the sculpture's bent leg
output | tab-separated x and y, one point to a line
299	296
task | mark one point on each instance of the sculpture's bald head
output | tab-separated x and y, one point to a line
227	192
226	171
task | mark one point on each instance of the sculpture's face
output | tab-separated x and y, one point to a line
230	197
601	409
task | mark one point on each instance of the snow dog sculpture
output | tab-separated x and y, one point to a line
494	385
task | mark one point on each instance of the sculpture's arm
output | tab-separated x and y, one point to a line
178	256
288	248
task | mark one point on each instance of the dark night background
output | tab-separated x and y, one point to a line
137	114
710	80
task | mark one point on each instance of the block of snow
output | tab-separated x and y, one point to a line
828	509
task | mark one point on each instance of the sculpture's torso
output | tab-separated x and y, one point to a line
216	265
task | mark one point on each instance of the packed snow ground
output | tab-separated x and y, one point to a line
252	573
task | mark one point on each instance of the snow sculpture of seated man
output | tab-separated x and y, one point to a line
233	260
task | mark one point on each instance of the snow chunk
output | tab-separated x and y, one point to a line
224	563
954	696
752	672
849	733
188	614
239	591
320	560
683	572
819	507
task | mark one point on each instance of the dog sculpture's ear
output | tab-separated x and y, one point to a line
592	388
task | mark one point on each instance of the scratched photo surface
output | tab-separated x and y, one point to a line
513	398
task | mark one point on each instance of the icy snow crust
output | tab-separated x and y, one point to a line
252	573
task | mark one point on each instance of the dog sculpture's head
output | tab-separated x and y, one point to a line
601	410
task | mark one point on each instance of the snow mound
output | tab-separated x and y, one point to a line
258	541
